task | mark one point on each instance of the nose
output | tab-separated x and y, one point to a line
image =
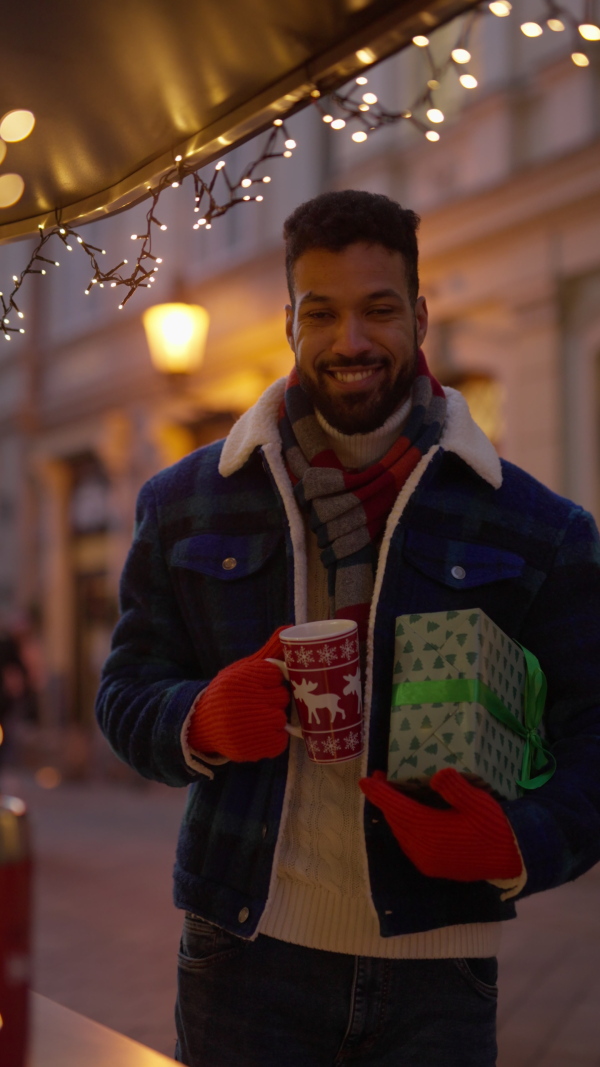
351	338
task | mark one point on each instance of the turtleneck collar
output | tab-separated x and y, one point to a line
360	450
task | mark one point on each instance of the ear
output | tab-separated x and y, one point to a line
289	326
421	319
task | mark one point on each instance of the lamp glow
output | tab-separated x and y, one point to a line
468	81
557	25
16	125
580	59
435	115
176	336
420	40
500	8
460	55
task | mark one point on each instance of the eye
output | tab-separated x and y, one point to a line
381	310
318	315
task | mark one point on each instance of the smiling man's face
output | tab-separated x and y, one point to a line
355	333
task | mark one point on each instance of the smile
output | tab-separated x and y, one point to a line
348	376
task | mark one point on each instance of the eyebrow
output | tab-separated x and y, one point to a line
380	294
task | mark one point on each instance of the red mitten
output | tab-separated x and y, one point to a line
471	842
241	714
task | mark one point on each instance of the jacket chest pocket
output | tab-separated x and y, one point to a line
232	589
460	565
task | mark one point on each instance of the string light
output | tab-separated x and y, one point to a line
531	29
589	31
344	108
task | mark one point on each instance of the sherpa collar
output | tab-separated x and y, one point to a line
461	435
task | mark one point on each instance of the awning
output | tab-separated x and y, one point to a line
119	87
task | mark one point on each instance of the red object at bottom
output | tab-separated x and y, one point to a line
15	897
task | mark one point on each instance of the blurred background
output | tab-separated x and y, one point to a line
510	264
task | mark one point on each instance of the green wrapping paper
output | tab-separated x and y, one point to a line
466	696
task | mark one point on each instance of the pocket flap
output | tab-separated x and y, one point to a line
225	556
460	564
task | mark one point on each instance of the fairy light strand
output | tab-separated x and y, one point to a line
213	198
356	108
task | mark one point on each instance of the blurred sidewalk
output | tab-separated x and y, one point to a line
107	933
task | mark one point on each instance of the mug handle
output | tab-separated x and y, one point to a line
295	731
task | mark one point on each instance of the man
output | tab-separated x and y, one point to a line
322	927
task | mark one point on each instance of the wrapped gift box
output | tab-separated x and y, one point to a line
456	675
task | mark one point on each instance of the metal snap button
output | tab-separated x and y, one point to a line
229	563
243	915
457	572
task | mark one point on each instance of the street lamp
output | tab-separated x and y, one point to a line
176	335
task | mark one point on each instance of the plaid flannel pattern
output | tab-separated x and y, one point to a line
531	561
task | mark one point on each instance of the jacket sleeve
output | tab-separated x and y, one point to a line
151	677
558	825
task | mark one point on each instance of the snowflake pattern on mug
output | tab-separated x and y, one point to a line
352	741
327	654
348	648
304	656
312	746
331	746
288	655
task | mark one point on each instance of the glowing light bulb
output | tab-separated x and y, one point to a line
245	197
460	55
316	94
163	227
500	8
259	198
338	124
220	164
435	115
266	179
420	40
278	122
369	98
362	80
468	81
178	159
555	24
432	135
365	55
134	237
290	143
16	125
11	189
287	154
588	30
327	118
246	182
62	231
531	29
359	136
174	185
363	107
580	59
80	239
433	84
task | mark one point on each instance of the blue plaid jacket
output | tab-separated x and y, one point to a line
531	562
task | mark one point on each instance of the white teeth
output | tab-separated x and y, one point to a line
351	376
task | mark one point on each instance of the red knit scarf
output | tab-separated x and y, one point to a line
348	509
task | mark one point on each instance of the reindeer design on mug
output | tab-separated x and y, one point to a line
353	686
304	691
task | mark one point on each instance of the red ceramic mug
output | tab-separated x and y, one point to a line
323	667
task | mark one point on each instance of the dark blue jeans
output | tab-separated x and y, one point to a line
266	1003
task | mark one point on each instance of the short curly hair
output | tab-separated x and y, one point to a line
338	219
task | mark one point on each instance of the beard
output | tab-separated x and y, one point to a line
360	411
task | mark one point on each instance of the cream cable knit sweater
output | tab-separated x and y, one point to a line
321	899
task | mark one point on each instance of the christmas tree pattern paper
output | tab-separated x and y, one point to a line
424	737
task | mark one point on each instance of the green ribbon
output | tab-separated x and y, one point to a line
536	755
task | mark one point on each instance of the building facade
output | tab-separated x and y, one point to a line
510	264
